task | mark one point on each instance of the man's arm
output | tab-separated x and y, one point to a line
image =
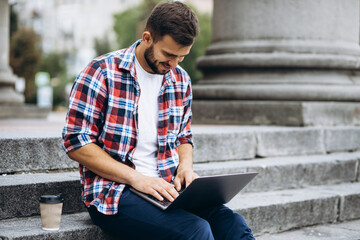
185	174
101	163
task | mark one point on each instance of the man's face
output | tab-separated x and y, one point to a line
165	54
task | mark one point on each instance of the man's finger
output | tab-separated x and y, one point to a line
177	183
156	195
166	194
172	191
188	179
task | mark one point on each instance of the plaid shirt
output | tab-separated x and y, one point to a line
103	109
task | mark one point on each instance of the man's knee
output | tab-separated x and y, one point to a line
229	224
199	230
240	228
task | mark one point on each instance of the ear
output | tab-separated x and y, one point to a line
146	38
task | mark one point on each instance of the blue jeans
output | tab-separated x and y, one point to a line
138	219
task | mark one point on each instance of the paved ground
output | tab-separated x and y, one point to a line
50	126
54	123
340	231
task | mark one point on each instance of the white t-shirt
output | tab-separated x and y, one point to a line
145	155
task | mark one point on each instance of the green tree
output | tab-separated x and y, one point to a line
199	47
102	45
54	63
25	59
60	98
130	23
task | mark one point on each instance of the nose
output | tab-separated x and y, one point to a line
173	63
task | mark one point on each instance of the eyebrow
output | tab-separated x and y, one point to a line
172	55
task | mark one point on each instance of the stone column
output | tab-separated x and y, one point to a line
7	78
281	62
12	103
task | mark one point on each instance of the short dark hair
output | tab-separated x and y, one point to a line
175	19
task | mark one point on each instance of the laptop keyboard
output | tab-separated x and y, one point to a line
165	202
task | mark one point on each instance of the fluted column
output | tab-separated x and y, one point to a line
7	78
281	60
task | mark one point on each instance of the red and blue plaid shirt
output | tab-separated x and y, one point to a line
103	109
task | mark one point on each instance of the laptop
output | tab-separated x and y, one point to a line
204	192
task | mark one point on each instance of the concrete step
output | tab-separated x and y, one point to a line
265	212
209	107
274	174
290	172
338	231
37	151
19	194
223	143
73	226
324	188
276	211
32	154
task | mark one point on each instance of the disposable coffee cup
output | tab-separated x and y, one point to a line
50	211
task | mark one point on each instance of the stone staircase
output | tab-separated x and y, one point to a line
308	177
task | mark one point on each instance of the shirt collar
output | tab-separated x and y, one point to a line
127	62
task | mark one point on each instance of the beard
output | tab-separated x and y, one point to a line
152	62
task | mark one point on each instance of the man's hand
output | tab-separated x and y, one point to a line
184	177
155	186
98	161
185	174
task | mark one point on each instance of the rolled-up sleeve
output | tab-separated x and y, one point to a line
85	115
185	134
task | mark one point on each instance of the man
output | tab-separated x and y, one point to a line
129	125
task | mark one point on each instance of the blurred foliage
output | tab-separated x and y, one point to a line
55	64
199	47
60	97
130	24
25	59
102	45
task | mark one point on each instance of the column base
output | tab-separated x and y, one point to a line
279	92
280	113
7	88
8	95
